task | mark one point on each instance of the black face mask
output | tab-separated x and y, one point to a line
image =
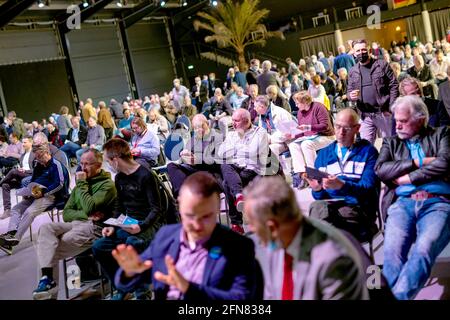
363	57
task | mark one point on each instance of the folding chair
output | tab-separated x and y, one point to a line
86	287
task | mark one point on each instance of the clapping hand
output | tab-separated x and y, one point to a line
129	260
173	277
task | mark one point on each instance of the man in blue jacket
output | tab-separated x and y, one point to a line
197	260
351	185
51	185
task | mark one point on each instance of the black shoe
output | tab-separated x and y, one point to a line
6	248
9	239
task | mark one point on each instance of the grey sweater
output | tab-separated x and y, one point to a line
96	136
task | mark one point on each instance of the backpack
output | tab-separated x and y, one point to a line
168	202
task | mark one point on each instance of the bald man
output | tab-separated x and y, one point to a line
351	178
245	155
199	154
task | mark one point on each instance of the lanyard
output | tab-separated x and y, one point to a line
343	161
139	138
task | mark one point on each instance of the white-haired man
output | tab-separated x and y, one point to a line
414	165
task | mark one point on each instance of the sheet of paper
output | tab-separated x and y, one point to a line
289	127
122	221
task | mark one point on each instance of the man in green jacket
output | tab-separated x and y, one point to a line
91	201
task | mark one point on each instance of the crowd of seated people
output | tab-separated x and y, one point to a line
324	116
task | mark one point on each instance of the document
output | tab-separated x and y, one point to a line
122	221
315	174
289	127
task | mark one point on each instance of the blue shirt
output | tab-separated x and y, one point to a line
435	187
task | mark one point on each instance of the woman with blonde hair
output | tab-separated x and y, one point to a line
159	124
317	91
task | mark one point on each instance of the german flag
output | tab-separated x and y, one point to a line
402	3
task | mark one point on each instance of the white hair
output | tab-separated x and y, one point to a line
266	65
416	106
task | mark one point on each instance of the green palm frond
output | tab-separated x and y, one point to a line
236	24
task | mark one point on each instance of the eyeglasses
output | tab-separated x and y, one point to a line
87	164
338	127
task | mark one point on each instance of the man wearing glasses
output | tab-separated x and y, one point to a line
90	202
49	185
348	197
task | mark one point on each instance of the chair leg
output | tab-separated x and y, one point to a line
371	253
66	289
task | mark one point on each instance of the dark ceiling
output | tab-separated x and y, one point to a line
280	10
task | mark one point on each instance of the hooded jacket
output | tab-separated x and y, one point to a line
91	195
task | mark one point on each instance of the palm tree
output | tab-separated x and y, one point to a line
238	25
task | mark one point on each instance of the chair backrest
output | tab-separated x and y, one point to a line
184	120
173	146
381	293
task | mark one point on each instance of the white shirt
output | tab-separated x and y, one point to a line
251	151
25	161
277	269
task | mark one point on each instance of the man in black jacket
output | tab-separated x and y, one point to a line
372	84
253	72
75	138
138	198
422	72
414	165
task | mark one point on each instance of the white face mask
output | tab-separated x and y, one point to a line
111	168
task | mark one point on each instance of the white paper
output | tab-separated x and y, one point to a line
122	221
289	127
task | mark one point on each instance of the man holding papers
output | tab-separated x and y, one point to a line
348	197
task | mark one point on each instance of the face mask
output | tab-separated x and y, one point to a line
111	168
274	245
363	57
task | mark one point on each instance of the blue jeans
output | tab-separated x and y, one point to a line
70	148
416	233
103	247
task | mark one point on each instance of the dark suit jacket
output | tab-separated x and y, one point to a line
230	274
82	135
30	161
424	75
444	94
251	77
266	79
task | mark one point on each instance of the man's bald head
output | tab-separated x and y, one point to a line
242	114
348	115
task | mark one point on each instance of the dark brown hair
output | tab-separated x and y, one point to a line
202	184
